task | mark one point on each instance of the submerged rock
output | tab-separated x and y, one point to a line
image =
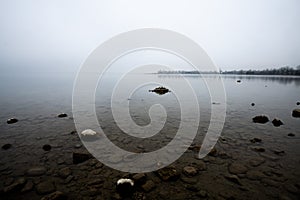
47	147
80	156
260	119
252	104
57	195
125	187
45	187
296	113
36	171
237	168
277	122
238	81
12	120
6	146
160	90
168	173
190	171
61	115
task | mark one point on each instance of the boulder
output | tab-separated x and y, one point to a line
262	119
277	122
296	113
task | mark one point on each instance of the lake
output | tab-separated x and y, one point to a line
249	161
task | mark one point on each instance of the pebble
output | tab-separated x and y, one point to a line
259	149
233	178
47	147
298	103
28	186
148	186
255	175
140	178
237	168
45	187
12	120
291	134
190	171
296	113
36	171
80	156
201	165
6	146
256	161
252	104
255	140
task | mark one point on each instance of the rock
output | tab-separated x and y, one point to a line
238	81
201	165
139	196
28	186
298	103
291	134
233	178
262	119
88	135
252	104
65	172
95	182
194	147
237	168
148	186
12	120
255	175
255	140
125	187
291	188
277	122
160	90
69	179
45	187
62	115
213	152
80	156
168	173
17	185
202	194
36	171
6	146
256	161
259	149
140	178
47	147
190	171
296	113
77	146
270	182
57	195
279	152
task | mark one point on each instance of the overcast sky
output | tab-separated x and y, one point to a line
58	35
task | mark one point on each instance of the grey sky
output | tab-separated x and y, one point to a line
56	35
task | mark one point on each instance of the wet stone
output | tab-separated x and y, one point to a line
80	156
148	186
262	119
45	187
36	171
291	135
6	146
12	120
61	115
237	168
296	113
233	178
190	171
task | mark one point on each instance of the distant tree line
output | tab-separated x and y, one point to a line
280	71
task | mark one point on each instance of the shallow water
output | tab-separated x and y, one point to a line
36	101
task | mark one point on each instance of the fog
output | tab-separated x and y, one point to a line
55	36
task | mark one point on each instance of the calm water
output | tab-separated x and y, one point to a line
36	101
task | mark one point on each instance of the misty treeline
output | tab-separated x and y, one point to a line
280	71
